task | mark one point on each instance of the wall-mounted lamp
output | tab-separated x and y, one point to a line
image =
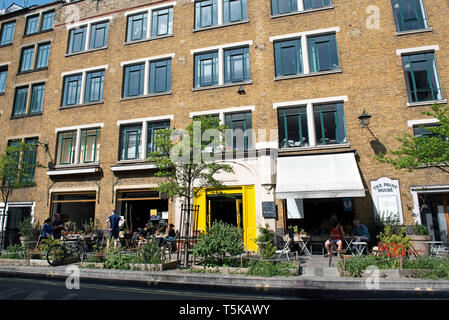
241	91
365	120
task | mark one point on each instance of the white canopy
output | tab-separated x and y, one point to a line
318	176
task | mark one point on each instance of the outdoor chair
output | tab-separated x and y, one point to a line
316	241
284	251
333	249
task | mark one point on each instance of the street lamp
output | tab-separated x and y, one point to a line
365	120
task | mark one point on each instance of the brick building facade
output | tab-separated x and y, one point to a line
275	63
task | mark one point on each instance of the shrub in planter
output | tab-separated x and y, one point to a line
394	243
13	252
151	252
419	235
222	239
265	242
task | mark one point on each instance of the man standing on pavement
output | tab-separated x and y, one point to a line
113	227
58	226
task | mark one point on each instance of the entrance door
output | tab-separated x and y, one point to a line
434	215
15	216
225	208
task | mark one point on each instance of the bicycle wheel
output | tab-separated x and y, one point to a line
56	255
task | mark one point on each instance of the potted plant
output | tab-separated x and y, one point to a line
26	231
418	237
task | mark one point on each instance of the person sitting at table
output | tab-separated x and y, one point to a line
144	234
337	233
360	233
159	237
171	234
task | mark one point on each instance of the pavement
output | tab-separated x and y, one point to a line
315	282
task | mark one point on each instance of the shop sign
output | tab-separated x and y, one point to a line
387	198
269	209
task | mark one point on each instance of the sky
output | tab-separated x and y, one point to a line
7	3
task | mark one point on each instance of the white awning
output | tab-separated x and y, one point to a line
318	176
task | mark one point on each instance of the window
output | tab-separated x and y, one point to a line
288	57
329	124
162	22
43	52
21	107
3	74
72	90
83	86
206	69
99	34
130	142
323	53
152	129
89	145
137	27
236	65
206	13
235	10
94	86
160	76
293	128
134	80
79	145
409	15
239	137
26	59
77	39
37	98
422	131
422	78
29	158
313	4
32	25
47	20
7	34
283	6
66	148
20	101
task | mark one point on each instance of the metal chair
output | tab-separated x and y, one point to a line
284	251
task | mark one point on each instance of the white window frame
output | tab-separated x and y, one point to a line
303	36
144	122
78	130
83	81
88	24
310	116
149	10
220	50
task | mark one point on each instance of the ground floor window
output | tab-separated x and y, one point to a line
313	215
76	209
15	215
140	207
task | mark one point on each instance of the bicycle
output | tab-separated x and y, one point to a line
57	254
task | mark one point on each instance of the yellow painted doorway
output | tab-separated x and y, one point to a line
245	208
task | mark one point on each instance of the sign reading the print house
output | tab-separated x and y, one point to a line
387	198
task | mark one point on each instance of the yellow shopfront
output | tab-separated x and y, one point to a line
234	205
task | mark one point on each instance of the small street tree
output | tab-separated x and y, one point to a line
16	171
431	150
187	162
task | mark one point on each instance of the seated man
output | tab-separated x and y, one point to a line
337	233
360	233
143	234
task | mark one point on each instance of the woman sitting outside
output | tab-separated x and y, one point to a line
337	233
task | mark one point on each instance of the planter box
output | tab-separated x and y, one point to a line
392	274
96	265
391	250
418	243
38	263
222	270
14	262
154	267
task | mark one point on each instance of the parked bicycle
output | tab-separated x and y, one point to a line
70	247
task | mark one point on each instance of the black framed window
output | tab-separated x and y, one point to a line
26	59
137	27
323	53
162	22
239	133
152	129
32	24
236	65
20	101
409	15
288	57
43	54
206	69
37	98
283	6
66	148
99	34
3	75
77	39
72	90
330	125
293	127
421	76
131	142
94	86
314	4
47	20
206	13
235	10
7	33
160	76
134	79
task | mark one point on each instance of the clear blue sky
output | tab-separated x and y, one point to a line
7	3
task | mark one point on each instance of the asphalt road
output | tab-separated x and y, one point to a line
31	289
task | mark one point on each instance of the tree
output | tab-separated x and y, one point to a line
189	164
423	151
16	171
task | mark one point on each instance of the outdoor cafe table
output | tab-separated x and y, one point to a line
435	247
302	242
348	241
